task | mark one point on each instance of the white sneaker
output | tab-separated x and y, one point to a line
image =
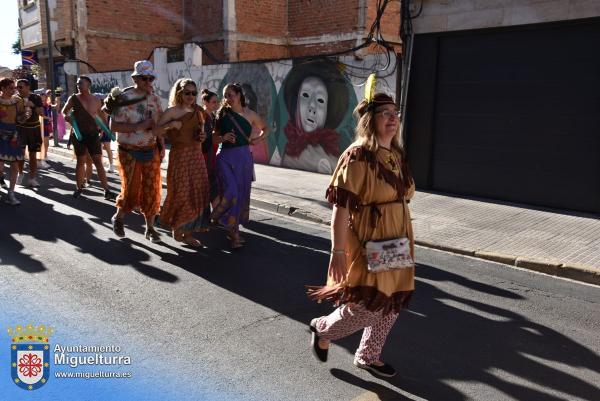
33	183
12	199
20	178
111	169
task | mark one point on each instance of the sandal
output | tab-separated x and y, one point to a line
152	236
190	240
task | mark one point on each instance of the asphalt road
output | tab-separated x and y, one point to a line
213	324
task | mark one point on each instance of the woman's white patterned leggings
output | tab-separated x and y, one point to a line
350	318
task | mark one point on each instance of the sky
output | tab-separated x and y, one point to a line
9	25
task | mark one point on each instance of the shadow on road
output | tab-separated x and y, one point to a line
41	221
443	338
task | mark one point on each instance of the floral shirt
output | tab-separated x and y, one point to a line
135	113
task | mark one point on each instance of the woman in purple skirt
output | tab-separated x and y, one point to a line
234	162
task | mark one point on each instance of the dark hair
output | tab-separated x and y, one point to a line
237	88
207	95
86	78
4	82
23	81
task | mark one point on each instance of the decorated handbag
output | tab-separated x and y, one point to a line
390	254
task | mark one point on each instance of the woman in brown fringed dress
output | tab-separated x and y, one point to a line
187	179
370	189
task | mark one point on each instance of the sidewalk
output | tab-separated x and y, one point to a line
553	242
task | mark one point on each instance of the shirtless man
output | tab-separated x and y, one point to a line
30	130
86	107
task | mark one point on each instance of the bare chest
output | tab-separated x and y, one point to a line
90	104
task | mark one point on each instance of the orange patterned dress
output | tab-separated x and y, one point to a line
187	179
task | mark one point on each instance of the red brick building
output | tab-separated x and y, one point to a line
111	34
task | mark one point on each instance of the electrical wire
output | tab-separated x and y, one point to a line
67	58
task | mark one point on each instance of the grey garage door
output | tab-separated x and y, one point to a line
510	114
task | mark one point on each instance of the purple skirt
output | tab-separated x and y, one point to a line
234	177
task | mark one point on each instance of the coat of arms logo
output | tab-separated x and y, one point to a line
30	355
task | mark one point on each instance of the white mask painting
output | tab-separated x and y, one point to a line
312	104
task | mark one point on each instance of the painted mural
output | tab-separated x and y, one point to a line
261	97
307	104
315	116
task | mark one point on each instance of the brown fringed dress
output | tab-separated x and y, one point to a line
376	186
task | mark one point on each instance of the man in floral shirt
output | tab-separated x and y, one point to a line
134	113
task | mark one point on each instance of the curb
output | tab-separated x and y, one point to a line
573	271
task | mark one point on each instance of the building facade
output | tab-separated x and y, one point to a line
503	101
109	35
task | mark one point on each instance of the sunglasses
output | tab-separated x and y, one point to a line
147	78
20	87
190	93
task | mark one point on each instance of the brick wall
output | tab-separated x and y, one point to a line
254	18
147	17
116	41
390	22
63	14
103	56
203	18
264	29
319	17
321	48
258	51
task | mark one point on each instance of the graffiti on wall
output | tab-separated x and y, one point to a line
306	104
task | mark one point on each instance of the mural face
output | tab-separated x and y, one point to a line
306	104
313	129
312	104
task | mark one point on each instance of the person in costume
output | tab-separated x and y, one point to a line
48	126
61	128
82	111
11	111
134	114
234	162
187	179
30	130
370	189
210	104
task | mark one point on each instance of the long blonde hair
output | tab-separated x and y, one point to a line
175	95
365	128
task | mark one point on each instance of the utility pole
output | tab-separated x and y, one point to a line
51	70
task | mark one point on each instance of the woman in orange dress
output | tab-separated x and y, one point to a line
187	179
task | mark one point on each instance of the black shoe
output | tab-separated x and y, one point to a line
2	182
318	352
108	195
118	228
384	370
152	235
77	193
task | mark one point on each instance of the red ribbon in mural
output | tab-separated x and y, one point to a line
298	140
